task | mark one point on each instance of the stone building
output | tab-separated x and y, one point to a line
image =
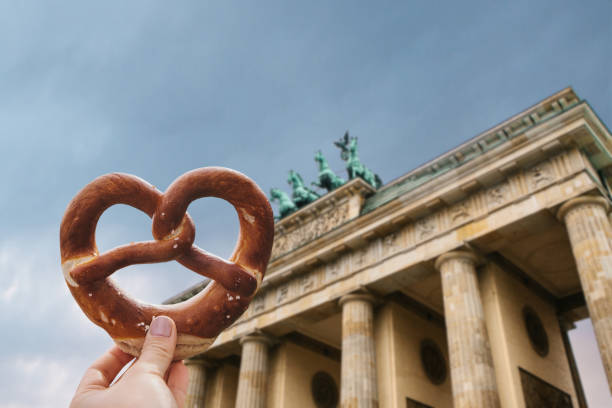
453	285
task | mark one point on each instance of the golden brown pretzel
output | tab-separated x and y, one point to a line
198	320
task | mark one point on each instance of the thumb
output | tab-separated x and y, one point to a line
158	348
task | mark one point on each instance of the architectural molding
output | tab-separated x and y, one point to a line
301	281
357	296
588	199
200	361
259	337
460	254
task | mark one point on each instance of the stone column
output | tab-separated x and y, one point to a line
590	234
253	376
471	363
358	370
197	383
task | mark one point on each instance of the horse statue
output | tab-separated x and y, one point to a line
301	195
285	205
327	178
354	167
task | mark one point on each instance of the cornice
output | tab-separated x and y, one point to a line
501	134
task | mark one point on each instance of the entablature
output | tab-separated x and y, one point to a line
392	259
577	132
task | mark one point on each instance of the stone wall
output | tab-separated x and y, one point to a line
398	337
504	298
292	370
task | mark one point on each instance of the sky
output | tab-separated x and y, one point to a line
156	88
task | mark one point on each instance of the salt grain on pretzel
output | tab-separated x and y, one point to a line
200	319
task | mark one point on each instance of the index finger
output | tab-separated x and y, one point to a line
102	372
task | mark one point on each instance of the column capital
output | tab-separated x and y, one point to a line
459	254
199	361
568	205
259	337
367	297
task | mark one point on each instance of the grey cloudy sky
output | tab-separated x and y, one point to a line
155	89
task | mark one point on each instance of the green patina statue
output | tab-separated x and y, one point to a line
327	178
301	195
285	205
354	167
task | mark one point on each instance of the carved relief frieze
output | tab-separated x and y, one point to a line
285	240
258	304
498	195
282	293
360	257
281	242
306	282
460	212
333	269
425	227
390	243
540	175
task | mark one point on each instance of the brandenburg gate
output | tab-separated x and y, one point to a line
453	285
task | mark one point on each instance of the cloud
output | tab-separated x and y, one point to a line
40	380
8	293
47	340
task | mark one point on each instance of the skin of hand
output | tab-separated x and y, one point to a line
153	381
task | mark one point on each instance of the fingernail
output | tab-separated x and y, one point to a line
161	327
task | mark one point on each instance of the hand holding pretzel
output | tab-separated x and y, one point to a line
198	320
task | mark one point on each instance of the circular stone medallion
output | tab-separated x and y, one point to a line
535	331
433	361
324	390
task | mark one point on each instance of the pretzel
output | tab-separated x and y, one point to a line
200	319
